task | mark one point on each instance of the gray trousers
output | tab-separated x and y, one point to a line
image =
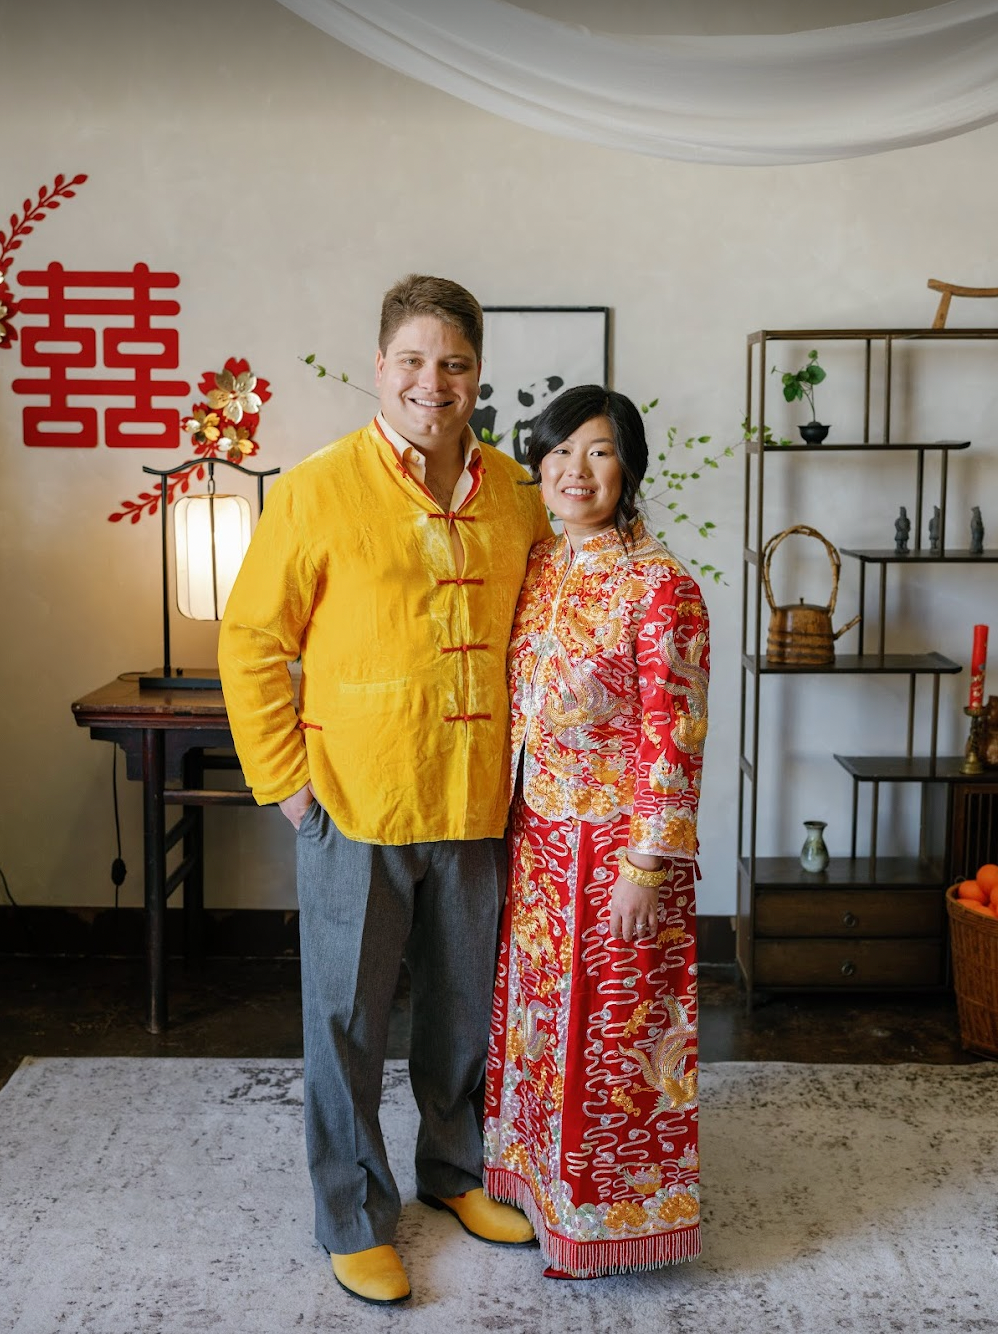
363	909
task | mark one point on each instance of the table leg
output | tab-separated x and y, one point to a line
194	847
154	843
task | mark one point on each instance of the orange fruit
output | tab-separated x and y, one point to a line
987	877
970	891
994	898
982	908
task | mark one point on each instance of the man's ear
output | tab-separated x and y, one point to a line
379	365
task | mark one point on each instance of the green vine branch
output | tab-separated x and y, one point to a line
342	376
667	475
750	432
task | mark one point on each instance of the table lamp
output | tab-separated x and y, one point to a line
211	535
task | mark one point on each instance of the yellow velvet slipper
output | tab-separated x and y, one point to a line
488	1220
375	1275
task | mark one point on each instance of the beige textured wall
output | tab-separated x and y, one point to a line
289	182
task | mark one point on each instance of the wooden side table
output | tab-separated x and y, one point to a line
164	735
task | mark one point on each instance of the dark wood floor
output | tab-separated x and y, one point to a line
236	1008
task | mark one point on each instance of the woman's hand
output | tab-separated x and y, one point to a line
633	911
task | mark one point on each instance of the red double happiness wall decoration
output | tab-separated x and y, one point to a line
111	335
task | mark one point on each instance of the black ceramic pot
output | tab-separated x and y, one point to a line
813	433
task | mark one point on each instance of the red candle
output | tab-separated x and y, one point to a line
978	659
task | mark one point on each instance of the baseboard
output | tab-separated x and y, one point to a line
244	933
248	933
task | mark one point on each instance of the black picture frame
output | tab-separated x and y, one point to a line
529	355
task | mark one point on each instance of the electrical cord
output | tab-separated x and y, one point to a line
118	868
6	889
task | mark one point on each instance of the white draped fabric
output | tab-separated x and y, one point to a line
758	100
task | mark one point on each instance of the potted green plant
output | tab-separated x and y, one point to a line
800	384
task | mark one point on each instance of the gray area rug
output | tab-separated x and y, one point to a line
172	1196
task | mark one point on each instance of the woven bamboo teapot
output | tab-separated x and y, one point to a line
801	635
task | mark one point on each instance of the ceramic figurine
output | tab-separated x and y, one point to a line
934	529
902	529
976	531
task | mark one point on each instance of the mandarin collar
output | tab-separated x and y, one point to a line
609	540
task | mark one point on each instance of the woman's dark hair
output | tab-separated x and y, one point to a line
572	409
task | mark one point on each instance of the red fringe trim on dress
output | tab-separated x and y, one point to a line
593	1259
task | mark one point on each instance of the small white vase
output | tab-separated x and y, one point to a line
814	854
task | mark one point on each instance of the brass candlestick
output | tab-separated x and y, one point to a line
972	751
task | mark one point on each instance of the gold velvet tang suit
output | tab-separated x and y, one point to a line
403	723
591	1102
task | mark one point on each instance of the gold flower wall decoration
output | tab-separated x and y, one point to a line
234	395
224	424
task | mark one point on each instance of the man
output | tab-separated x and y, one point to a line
391	561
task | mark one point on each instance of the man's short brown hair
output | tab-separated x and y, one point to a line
418	294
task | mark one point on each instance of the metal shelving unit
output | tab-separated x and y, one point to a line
879	923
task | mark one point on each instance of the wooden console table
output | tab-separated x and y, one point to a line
164	735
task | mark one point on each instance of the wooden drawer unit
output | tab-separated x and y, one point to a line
859	925
849	913
858	964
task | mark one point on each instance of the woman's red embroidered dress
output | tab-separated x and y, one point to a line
591	1100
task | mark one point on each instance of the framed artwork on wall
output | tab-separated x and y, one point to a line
529	355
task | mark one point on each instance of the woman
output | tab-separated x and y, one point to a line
591	1100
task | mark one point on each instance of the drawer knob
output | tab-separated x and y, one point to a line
850	919
848	968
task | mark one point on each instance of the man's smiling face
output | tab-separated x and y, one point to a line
427	381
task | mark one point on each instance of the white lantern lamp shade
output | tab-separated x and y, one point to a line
212	535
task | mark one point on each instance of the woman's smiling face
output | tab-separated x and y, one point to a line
581	479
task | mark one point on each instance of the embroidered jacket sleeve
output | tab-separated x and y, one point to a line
672	653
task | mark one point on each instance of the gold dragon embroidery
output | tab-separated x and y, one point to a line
689	731
579	701
614	626
574	624
530	930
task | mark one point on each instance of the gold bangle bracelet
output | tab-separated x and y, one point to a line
637	875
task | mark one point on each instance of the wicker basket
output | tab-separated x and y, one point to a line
974	943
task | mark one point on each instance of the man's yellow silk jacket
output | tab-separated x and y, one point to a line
403	722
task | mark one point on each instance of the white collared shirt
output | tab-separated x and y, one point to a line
415	463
